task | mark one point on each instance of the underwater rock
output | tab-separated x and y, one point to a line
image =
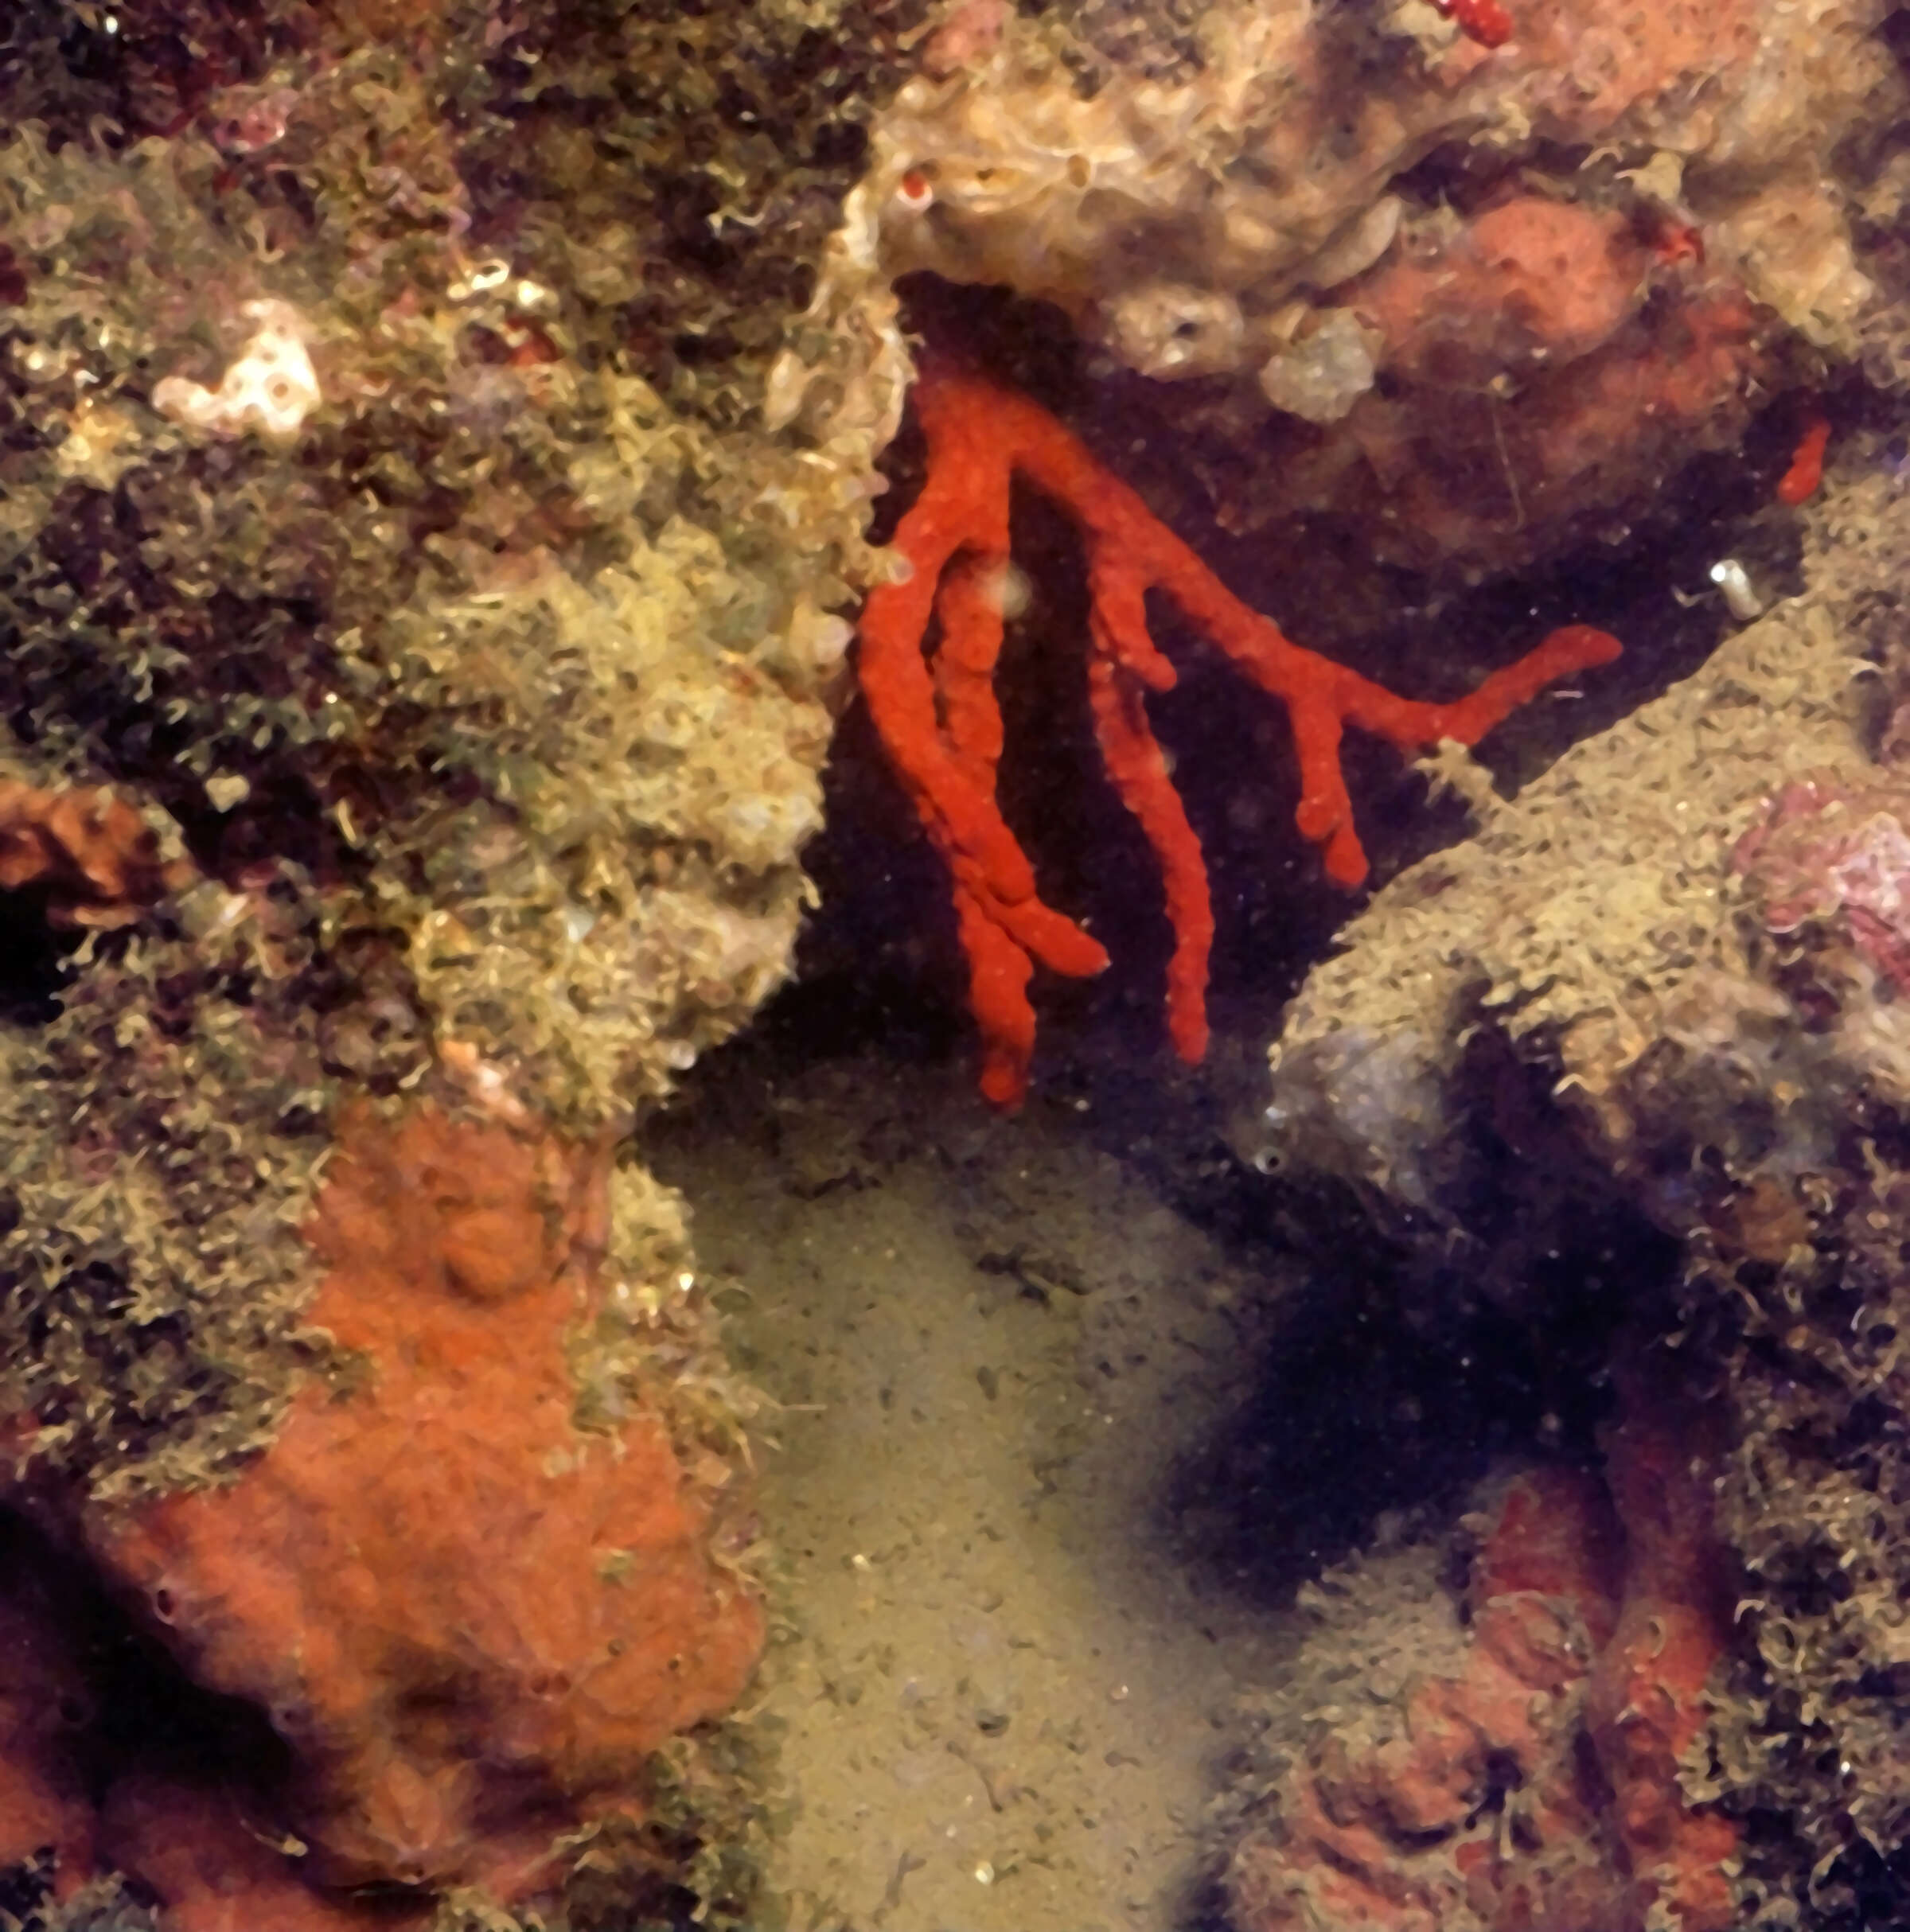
432	493
1666	983
471	693
1380	1828
470	1621
1303	220
1483	356
1590	924
391	535
1545	363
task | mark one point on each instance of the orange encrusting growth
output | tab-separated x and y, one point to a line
470	1621
939	723
1799	483
1533	1778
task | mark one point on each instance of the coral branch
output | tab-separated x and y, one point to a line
936	715
1799	483
1484	20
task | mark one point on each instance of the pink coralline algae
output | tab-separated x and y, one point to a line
1830	863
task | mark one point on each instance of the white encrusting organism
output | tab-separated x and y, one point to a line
271	386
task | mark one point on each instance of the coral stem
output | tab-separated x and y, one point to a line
1799	483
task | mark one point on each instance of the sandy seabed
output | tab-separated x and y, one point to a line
1008	1684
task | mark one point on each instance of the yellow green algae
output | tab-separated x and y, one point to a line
386	513
486	684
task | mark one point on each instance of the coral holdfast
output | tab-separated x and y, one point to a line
940	724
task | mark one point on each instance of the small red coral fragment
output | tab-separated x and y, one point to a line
941	726
1484	20
1678	241
1799	483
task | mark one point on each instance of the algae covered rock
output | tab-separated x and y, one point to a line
1666	983
385	529
471	1622
1514	1765
418	662
1473	303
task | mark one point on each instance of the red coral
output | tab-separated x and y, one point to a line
1798	484
1536	1789
942	728
1484	20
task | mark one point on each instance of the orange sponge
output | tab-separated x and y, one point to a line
470	1621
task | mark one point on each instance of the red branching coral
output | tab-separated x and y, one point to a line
940	724
1536	1788
1798	484
1484	20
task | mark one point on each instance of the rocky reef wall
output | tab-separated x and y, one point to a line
417	666
1669	976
